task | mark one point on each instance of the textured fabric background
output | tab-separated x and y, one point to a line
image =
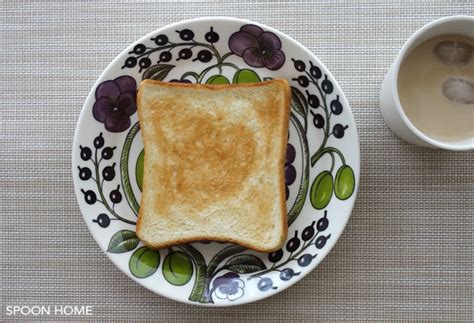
405	255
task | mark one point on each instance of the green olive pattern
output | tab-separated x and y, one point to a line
217	79
177	268
246	76
139	169
321	190
344	183
144	262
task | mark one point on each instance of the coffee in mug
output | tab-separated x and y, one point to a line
436	87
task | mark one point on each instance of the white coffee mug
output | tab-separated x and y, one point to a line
390	105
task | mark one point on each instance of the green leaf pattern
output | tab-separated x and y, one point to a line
244	264
157	72
123	241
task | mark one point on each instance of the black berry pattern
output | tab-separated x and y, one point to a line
322	224
313	100
102	220
185	53
130	62
108	152
139	49
299	65
305	259
115	195
327	85
287	273
144	62
294	243
188	47
315	71
290	170
275	256
321	241
302	80
336	106
86	153
99	175
265	284
108	173
301	253
165	57
160	40
89	196
185	34
99	141
84	173
324	87
318	120
180	81
308	232
326	184
211	36
203	56
338	130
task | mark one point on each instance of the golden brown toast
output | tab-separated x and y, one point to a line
214	159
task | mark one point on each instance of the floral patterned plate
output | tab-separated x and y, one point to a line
321	171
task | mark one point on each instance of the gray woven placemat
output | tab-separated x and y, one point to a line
405	255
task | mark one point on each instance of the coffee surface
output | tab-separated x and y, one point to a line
436	87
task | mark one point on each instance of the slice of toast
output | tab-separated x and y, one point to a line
214	159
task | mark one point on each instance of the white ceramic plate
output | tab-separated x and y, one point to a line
322	169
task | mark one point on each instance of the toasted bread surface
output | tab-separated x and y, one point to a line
213	168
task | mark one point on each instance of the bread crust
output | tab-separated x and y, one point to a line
281	159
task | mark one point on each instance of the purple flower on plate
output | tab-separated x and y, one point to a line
115	102
229	286
258	48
